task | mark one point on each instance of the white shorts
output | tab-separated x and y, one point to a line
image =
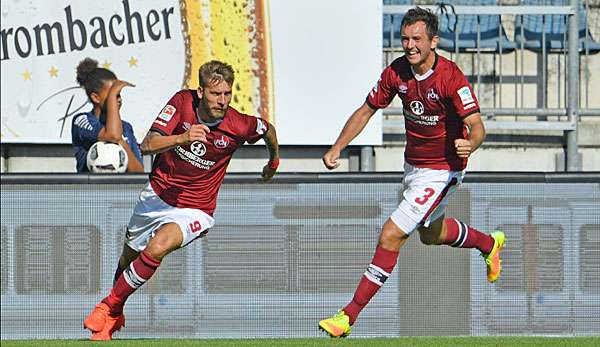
150	213
425	196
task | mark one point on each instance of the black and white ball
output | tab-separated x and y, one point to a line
106	157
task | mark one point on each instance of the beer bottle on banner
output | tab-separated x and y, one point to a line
235	32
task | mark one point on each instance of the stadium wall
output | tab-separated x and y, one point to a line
502	151
296	248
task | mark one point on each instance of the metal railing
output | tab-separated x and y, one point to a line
567	111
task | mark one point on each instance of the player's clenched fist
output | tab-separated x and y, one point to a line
330	159
197	132
463	148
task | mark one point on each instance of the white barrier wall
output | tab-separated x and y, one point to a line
297	250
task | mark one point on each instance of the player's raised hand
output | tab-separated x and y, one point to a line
463	148
331	158
197	132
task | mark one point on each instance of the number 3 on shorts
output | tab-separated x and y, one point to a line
423	199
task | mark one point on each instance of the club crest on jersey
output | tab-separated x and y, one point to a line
167	113
198	148
432	95
222	142
261	127
403	88
465	95
417	107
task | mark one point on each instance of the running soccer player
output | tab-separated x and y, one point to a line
443	128
194	137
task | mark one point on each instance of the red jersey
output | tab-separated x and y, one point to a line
434	106
190	176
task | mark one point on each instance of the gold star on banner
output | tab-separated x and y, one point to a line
27	75
133	62
53	72
106	65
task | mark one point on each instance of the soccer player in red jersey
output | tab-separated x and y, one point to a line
443	128
193	137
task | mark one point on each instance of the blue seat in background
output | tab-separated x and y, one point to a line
391	23
490	28
555	28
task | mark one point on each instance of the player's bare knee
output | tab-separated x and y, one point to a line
391	237
166	240
386	238
158	249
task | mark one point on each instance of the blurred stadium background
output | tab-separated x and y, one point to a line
296	248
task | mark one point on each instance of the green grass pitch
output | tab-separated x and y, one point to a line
317	342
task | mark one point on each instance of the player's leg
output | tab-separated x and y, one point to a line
390	241
168	238
107	317
155	229
454	233
128	254
460	235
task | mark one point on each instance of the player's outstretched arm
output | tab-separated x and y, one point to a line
354	125
465	147
155	142
273	147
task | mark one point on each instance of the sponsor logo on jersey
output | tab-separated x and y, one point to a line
222	142
195	156
261	127
421	119
403	88
469	106
167	113
198	148
465	95
432	95
417	107
160	122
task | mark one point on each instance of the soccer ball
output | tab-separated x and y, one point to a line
106	157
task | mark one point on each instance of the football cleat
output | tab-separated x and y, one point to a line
336	326
492	260
102	324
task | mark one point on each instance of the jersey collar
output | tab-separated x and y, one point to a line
210	125
426	74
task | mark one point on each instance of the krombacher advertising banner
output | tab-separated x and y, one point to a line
302	65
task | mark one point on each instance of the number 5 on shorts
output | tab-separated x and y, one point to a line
429	192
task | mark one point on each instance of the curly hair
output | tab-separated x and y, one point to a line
91	77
